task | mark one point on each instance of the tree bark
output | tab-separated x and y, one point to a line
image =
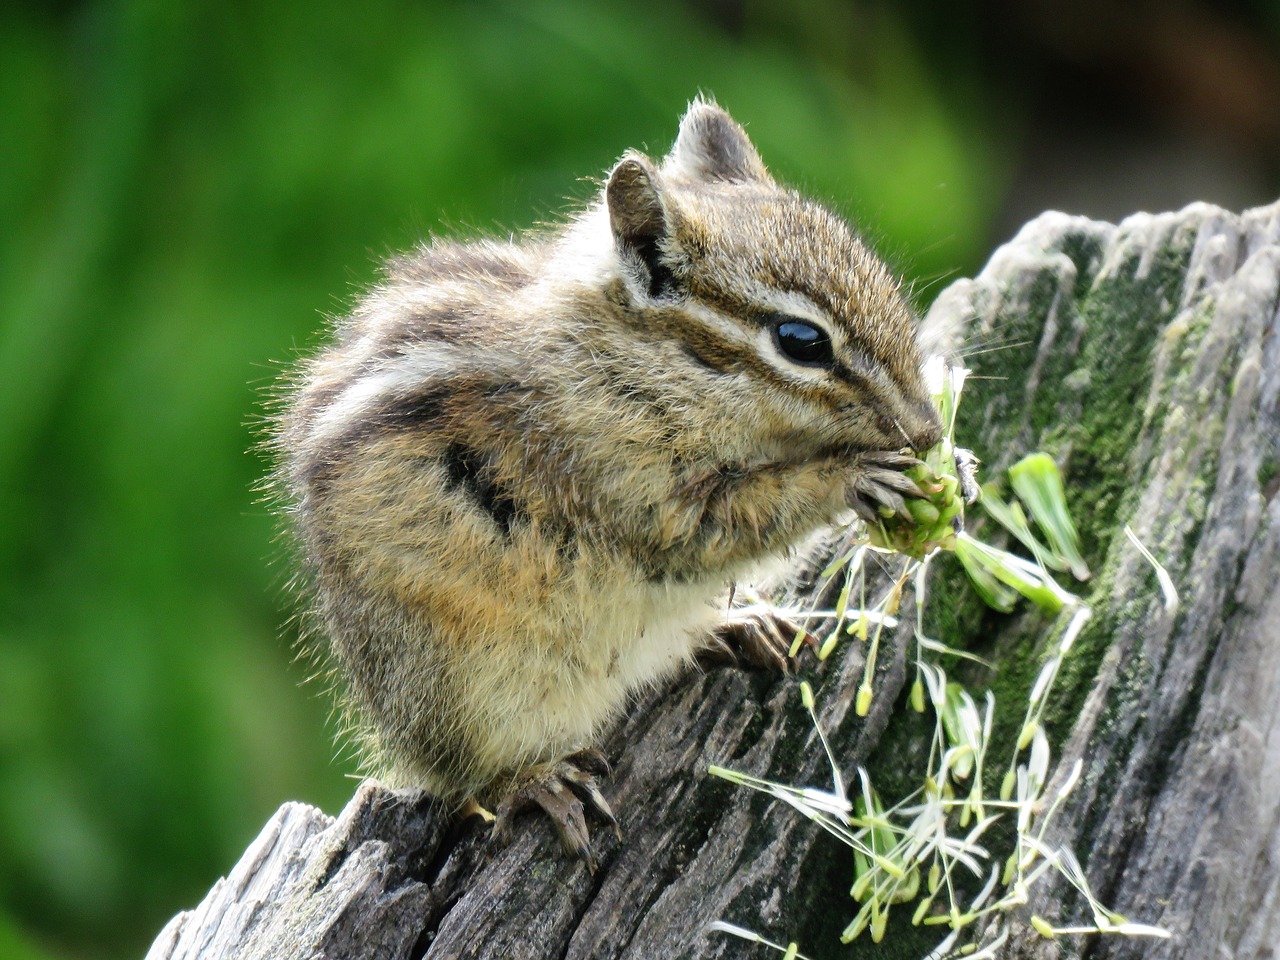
1145	358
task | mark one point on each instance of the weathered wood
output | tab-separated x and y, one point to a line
1146	357
391	871
1153	370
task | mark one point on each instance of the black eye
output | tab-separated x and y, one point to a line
803	342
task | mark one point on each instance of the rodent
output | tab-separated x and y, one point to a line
524	474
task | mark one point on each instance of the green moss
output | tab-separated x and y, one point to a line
898	761
1093	389
954	613
1085	250
1118	722
1268	469
1101	442
1092	385
1022	656
1088	400
990	417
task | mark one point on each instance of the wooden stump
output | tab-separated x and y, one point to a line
1146	358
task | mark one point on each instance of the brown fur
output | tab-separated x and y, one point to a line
524	473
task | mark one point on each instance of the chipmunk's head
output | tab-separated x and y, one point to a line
780	313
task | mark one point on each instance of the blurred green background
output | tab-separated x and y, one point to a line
185	188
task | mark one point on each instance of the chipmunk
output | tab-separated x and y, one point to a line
525	473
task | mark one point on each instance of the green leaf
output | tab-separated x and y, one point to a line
1037	481
991	570
1011	517
992	591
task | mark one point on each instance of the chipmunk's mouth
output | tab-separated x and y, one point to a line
862	433
849	451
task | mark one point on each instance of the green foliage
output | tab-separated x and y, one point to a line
185	188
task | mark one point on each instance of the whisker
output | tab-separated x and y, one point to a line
922	285
905	436
997	348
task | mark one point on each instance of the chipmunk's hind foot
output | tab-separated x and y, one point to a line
758	636
564	791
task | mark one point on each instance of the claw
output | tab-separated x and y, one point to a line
891	460
757	636
893	499
901	483
717	651
559	790
472	808
591	760
865	511
878	482
585	784
889	498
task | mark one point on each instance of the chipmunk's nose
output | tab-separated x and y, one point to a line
929	430
918	424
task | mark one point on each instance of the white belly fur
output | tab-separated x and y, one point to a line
634	635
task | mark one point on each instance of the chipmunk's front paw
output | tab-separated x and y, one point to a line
878	486
559	789
755	636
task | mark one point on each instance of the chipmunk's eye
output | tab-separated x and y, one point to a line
803	342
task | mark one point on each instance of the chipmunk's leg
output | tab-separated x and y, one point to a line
757	635
559	789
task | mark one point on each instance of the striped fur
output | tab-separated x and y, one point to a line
523	473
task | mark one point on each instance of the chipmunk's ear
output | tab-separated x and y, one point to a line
712	146
639	218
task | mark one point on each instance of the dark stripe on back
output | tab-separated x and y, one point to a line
446	324
470	472
423	409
